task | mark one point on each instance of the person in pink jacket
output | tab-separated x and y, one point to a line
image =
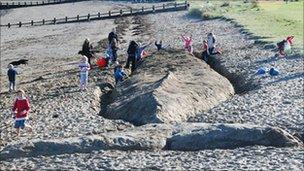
20	111
188	43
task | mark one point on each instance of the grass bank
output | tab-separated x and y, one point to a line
271	21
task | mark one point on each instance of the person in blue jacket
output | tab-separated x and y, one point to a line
119	74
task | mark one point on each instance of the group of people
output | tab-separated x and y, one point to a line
136	52
209	46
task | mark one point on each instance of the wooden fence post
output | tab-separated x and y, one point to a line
98	14
153	8
0	3
43	2
164	6
54	20
13	3
36	2
20	24
43	22
88	17
120	12
31	3
32	22
24	3
142	9
109	13
77	17
175	4
131	11
9	25
19	4
66	19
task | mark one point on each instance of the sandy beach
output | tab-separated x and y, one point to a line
60	111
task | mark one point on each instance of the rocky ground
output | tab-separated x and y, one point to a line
60	111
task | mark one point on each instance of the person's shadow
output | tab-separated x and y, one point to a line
277	58
288	77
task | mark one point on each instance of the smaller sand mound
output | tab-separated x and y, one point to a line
168	87
200	136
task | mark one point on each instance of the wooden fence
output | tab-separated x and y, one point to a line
10	5
14	4
108	15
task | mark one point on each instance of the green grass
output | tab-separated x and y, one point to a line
270	20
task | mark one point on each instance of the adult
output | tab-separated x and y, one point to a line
132	49
114	47
113	43
86	50
112	35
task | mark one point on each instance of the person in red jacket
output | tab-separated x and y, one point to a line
21	110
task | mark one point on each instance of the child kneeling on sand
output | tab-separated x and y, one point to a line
84	67
119	74
20	111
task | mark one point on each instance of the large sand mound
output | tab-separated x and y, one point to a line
168	87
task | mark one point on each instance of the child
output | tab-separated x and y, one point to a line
119	74
109	56
11	73
160	46
21	110
281	46
188	44
211	44
205	53
84	67
140	51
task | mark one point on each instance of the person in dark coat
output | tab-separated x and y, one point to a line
113	43
132	49
114	48
11	74
112	35
86	50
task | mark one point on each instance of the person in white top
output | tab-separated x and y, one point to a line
211	44
84	67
